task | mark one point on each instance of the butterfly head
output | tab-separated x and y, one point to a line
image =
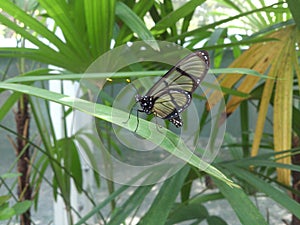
146	103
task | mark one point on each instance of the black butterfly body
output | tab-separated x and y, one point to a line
172	94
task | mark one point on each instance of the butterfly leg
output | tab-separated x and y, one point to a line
129	115
137	119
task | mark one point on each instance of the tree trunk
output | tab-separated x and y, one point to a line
23	152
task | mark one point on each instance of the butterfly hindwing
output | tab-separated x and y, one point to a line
171	103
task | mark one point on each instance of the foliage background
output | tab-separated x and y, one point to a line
88	28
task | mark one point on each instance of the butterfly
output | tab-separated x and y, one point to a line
172	93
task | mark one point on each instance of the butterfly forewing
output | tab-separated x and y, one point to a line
186	74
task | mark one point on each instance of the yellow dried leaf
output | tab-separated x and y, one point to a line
283	111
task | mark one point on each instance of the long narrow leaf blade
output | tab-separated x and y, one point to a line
135	24
146	129
241	204
160	208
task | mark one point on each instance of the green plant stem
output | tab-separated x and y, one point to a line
244	114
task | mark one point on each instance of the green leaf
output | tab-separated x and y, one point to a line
43	56
60	13
42	164
236	152
171	143
10	175
296	120
133	202
187	187
100	19
22	207
185	212
89	153
10	8
199	30
113	196
294	8
6	213
4	199
140	8
240	71
186	22
44	53
244	115
170	19
269	189
28	78
71	161
8	104
244	208
226	90
215	220
135	24
162	204
199	199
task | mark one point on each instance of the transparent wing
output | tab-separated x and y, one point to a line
171	103
185	75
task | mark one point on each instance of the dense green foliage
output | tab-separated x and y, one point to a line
88	29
